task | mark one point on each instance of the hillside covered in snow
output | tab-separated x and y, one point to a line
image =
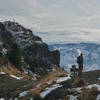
69	54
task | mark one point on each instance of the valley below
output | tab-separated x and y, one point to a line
70	51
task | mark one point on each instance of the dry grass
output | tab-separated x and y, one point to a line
51	77
12	70
66	98
79	82
89	94
44	82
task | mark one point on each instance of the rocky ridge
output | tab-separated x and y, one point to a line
35	52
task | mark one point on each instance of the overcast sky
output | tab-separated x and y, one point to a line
65	20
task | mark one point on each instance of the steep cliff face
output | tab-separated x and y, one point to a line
36	53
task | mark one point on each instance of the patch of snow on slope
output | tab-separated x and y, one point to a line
98	97
16	99
2	73
62	79
23	94
13	76
99	78
31	98
94	85
2	99
77	89
73	97
46	92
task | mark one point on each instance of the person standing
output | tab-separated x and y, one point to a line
80	61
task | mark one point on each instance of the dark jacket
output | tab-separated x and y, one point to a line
80	60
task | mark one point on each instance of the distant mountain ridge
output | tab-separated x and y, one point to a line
69	53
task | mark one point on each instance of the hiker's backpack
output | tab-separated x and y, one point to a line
79	60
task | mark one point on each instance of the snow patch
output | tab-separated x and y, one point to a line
46	92
77	89
31	98
62	79
99	78
94	85
2	99
23	94
18	78
2	73
79	51
73	97
98	97
15	98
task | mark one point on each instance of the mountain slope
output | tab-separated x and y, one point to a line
36	55
69	53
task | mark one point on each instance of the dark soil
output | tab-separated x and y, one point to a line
11	87
92	76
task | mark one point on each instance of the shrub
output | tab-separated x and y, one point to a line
14	56
32	63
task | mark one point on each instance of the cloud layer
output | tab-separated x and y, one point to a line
62	20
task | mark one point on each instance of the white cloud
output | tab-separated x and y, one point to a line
56	15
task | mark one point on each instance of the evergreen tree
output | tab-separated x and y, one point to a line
15	56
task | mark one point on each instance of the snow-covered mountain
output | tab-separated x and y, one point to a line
69	53
24	37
